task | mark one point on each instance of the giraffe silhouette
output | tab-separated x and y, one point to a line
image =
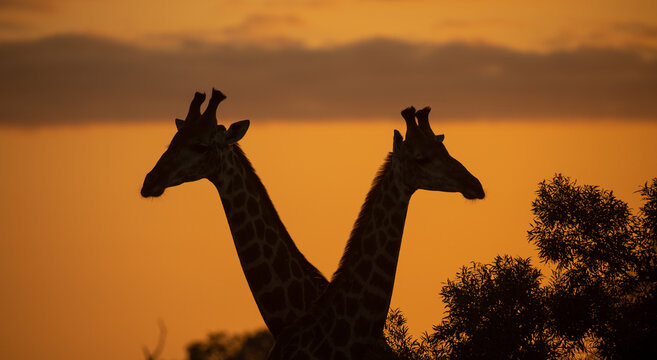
347	320
284	284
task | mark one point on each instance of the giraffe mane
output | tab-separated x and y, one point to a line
365	211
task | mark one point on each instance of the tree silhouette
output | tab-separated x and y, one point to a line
604	286
601	297
495	311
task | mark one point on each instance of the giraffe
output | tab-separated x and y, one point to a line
347	320
282	281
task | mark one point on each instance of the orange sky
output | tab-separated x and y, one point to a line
87	266
519	24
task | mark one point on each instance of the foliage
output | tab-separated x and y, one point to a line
403	344
601	297
495	311
221	346
603	288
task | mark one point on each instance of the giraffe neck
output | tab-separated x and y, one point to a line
369	263
284	284
347	320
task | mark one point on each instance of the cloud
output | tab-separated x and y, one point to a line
266	30
635	36
77	79
256	24
7	25
34	5
637	29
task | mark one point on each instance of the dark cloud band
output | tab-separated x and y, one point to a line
76	79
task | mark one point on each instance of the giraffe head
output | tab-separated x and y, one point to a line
425	160
195	148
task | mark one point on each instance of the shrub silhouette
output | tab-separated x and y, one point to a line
222	346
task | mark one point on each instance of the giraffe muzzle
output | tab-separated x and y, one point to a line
475	191
151	188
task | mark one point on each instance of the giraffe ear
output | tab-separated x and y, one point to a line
236	131
180	123
397	142
440	137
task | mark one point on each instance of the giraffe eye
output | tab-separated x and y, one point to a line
200	148
421	160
